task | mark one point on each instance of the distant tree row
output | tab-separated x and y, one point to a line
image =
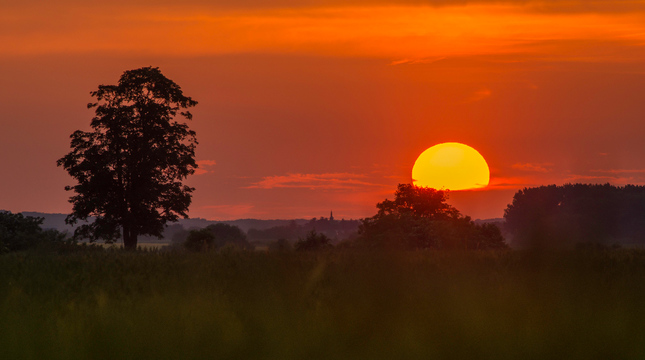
577	213
336	230
212	237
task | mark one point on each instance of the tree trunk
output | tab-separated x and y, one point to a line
129	238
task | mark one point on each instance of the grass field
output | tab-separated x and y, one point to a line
339	304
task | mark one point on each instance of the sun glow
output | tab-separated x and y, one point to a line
451	166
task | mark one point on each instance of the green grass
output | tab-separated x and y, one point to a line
341	304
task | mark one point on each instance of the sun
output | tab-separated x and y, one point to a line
451	166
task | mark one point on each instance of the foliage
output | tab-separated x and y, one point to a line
420	218
129	168
313	241
334	229
200	240
216	236
228	234
296	305
280	245
18	232
557	216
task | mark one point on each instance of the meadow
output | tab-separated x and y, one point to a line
341	304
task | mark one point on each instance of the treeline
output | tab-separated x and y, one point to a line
563	216
336	230
417	218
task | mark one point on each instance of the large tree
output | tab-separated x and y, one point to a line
130	167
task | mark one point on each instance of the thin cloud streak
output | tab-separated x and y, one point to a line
330	181
403	32
204	166
620	171
533	167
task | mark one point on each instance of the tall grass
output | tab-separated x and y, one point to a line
337	304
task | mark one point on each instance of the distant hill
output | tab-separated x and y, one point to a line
487	221
259	228
57	221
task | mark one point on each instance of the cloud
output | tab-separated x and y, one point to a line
600	179
516	182
426	30
417	61
620	171
313	181
559	6
533	167
228	212
203	166
613	176
480	95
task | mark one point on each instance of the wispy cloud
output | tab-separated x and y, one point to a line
533	167
403	31
619	171
313	181
480	95
417	61
509	182
597	179
227	212
204	166
613	176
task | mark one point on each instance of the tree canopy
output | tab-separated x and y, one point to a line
129	168
19	232
548	216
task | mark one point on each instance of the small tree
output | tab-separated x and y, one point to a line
19	232
130	167
313	241
228	234
200	240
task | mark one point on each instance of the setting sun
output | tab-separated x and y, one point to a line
451	166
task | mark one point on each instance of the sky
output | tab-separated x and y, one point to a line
311	106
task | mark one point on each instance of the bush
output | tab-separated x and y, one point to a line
280	245
19	232
313	241
200	240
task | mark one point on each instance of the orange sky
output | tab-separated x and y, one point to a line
309	106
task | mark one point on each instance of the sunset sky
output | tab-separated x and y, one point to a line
307	106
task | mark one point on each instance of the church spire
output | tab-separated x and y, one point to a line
331	216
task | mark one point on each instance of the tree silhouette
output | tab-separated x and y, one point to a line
130	167
563	216
200	240
420	218
313	241
18	232
228	234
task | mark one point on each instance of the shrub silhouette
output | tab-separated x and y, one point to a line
19	232
200	240
313	241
